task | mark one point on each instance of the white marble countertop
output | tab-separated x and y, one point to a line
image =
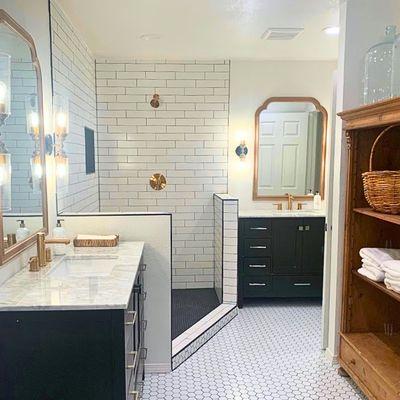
46	290
281	214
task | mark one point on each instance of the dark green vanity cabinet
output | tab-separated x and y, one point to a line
280	257
74	355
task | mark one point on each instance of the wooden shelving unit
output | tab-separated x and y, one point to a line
393	219
368	353
378	285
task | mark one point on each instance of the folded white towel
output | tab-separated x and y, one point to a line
377	272
369	263
379	255
392	266
392	285
377	276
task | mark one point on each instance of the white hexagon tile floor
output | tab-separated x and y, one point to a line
270	351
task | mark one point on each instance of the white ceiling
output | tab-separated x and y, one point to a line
204	28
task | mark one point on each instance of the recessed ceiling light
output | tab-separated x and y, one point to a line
331	30
150	36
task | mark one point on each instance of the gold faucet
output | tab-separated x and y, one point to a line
290	199
41	242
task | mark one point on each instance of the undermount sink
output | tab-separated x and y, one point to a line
84	266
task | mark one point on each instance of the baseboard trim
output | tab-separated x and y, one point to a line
334	359
163	368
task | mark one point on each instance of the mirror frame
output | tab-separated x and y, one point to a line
9	253
263	107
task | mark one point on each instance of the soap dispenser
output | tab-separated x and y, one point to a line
59	232
22	232
317	201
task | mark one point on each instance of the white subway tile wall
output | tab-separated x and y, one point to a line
218	246
230	250
186	139
74	78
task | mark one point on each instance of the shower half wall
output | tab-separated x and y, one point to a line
185	139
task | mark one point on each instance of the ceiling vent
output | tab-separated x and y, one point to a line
281	33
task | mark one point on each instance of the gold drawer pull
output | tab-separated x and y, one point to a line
134	394
133	365
258	247
134	313
257	284
302	284
257	266
259	228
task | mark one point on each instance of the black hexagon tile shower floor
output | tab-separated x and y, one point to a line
270	351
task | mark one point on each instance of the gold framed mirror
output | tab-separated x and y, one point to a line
23	196
289	148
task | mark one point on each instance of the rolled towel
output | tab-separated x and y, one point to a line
392	285
377	276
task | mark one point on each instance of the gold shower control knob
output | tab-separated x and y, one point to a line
158	181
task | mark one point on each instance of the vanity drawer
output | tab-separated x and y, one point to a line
257	228
257	247
257	266
257	286
298	286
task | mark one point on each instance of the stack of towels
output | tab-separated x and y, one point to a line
381	265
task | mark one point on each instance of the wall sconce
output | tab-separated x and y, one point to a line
61	130
242	150
32	116
5	86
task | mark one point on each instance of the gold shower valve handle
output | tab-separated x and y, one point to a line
158	181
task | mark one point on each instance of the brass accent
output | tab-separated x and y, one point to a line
11	239
34	264
290	199
263	107
41	242
6	254
300	206
155	102
158	181
278	206
49	257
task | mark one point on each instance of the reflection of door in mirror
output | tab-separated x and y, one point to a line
21	140
290	140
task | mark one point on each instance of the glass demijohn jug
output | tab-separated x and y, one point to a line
378	69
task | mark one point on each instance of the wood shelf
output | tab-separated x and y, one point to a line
393	219
379	352
379	285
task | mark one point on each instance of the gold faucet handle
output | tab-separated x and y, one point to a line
300	206
278	206
34	264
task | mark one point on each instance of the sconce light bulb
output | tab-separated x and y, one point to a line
61	166
37	168
3	92
61	120
34	118
5	169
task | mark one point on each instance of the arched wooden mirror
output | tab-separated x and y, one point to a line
22	155
290	148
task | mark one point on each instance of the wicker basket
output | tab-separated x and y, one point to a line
97	242
382	188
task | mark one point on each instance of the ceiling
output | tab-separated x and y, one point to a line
201	29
